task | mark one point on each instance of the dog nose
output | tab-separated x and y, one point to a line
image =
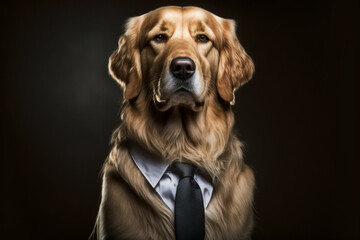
182	67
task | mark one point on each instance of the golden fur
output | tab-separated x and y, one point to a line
195	129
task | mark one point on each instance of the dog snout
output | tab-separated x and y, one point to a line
182	67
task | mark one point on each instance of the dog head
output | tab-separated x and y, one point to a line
179	56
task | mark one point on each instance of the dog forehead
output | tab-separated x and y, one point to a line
162	19
193	18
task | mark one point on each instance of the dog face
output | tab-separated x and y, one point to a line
179	56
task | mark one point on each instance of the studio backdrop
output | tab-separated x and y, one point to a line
296	116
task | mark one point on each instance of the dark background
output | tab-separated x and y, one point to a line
297	116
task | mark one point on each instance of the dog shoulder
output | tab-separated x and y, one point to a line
128	203
230	214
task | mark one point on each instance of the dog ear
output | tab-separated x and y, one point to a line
235	67
125	63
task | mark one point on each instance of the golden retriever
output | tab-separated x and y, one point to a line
187	121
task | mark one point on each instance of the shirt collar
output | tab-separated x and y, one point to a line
151	165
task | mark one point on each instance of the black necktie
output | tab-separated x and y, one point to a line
189	206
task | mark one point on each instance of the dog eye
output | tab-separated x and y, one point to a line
160	38
202	38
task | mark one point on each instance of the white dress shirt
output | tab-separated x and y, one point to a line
162	177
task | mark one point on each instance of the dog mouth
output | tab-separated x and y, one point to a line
179	97
175	88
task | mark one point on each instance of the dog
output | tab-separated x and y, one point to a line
179	68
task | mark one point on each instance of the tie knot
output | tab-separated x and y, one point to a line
184	169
